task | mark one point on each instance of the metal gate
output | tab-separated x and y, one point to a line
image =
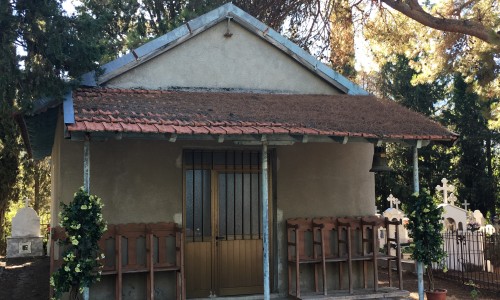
222	223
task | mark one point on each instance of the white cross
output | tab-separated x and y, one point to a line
452	199
466	204
391	199
26	202
396	202
445	188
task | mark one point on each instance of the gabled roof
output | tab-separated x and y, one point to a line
190	114
194	27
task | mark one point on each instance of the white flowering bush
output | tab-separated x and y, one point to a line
84	226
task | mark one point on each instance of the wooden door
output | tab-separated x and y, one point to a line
222	221
239	239
199	239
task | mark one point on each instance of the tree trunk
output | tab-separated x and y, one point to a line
3	237
491	179
413	10
37	200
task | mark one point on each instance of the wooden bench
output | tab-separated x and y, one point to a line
328	251
342	241
297	229
120	244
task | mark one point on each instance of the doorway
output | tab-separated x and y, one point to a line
223	235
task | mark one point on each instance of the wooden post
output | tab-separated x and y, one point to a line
265	223
416	189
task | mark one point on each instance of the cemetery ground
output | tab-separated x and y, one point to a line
29	279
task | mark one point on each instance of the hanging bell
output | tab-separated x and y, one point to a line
379	163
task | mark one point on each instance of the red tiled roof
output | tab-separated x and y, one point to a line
155	111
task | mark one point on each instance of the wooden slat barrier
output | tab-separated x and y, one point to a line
296	236
136	248
341	241
327	228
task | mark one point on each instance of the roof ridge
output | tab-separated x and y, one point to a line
106	90
114	90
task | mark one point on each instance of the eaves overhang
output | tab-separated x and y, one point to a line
258	139
38	132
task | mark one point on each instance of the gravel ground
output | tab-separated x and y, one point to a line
29	279
455	290
25	279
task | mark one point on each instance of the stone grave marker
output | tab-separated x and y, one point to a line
25	240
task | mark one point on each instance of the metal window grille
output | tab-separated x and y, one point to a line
238	193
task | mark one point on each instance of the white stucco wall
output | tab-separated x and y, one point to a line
210	60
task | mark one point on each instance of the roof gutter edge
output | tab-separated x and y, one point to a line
68	109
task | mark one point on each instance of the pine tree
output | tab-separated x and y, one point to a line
473	169
434	160
43	51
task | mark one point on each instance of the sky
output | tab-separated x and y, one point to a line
69	6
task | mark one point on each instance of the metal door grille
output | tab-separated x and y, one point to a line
238	192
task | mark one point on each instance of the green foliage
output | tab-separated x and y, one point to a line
9	138
43	51
472	163
425	229
435	161
434	53
474	293
474	148
84	226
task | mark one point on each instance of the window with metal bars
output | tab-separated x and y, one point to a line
237	195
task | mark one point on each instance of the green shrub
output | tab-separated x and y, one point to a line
425	228
84	226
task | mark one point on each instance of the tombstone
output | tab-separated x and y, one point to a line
394	213
479	217
25	240
488	229
454	217
445	188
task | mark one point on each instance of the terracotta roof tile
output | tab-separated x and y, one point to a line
264	129
296	130
93	126
232	130
130	127
77	126
279	130
215	130
147	128
165	128
112	127
199	130
182	129
155	111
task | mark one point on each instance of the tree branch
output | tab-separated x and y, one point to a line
413	10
